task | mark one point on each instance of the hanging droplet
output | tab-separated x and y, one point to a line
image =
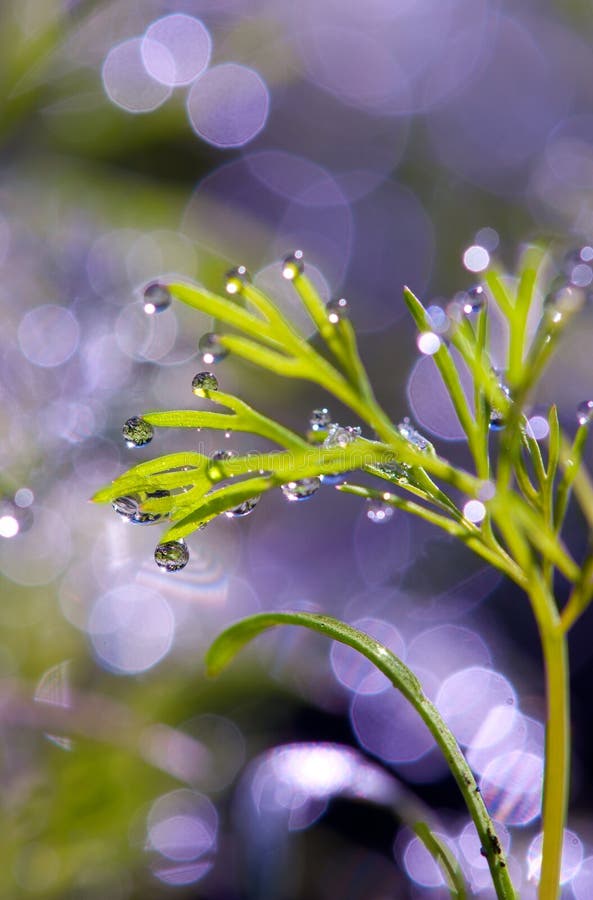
293	265
171	556
211	349
562	300
214	471
379	512
333	478
294	491
235	279
319	419
585	412
129	509
496	419
156	298
408	432
473	300
204	381
337	309
137	432
243	509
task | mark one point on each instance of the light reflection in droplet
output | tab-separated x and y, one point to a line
176	49
126	81
228	105
356	672
572	857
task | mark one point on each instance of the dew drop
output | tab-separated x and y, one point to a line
295	491
137	432
171	556
204	381
585	412
235	279
128	508
496	417
473	300
408	432
340	435
156	298
293	265
319	419
214	471
379	512
211	349
243	509
337	309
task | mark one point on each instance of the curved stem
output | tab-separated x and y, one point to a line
557	764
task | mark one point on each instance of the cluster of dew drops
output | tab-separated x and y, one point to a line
172	556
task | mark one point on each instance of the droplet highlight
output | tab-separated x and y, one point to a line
304	489
211	349
585	412
337	309
379	512
293	265
204	381
236	279
319	419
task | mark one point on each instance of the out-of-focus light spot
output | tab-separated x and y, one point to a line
572	857
48	335
131	629
428	343
420	864
488	238
430	401
9	526
225	749
24	497
474	511
54	688
141	337
41	552
538	428
126	80
183	874
465	699
469	843
176	49
228	105
446	649
182	826
439	319
512	787
582	882
271	281
355	671
476	258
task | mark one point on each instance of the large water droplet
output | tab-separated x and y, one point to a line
204	381
340	435
585	412
473	300
211	349
137	432
337	309
319	419
379	512
303	489
128	508
562	300
156	298
293	265
235	279
243	509
171	556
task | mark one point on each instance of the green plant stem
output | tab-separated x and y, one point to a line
557	759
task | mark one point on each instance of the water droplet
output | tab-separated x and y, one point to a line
171	556
473	300
243	509
137	432
295	491
379	512
337	309
496	418
211	349
585	412
562	299
333	478
293	265
235	279
128	508
319	419
340	435
204	381
408	432
214	471
156	298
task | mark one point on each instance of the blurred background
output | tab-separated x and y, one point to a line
394	141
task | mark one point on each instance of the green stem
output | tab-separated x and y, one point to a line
557	760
